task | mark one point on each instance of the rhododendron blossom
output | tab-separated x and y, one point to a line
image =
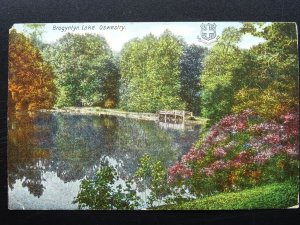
219	152
240	144
272	138
179	170
262	157
193	155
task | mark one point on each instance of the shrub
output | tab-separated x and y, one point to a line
152	175
277	99
102	193
240	151
109	103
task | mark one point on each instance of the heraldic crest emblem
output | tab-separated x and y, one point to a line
207	33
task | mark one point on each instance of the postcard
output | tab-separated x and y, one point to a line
153	116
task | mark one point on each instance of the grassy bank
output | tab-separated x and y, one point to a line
276	196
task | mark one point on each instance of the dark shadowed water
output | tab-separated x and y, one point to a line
50	153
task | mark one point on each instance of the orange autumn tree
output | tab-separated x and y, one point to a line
30	79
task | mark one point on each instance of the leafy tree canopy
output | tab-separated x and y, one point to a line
86	73
30	82
150	73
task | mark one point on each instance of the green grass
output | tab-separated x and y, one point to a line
276	196
196	120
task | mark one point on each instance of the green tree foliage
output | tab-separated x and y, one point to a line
30	84
86	73
154	175
104	193
216	80
150	73
262	78
34	31
191	68
273	89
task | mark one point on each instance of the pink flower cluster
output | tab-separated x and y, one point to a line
212	135
274	134
236	123
179	170
218	165
272	138
218	151
291	123
263	157
270	127
226	126
193	155
240	159
292	150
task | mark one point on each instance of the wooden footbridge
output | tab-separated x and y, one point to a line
173	115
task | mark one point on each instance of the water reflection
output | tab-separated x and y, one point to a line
70	147
26	154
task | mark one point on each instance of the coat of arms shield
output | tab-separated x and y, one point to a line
208	31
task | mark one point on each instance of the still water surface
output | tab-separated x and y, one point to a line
50	153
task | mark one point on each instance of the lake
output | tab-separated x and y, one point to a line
49	154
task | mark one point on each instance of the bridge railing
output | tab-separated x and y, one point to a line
175	113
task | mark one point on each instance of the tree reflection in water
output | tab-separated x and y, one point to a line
26	154
72	146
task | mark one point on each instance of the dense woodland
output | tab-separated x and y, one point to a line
154	73
149	74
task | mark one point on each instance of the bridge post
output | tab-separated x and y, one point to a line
175	115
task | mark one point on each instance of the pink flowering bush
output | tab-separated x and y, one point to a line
240	151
